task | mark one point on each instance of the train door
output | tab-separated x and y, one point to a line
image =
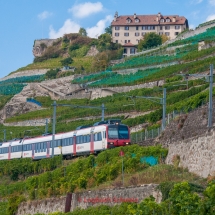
104	140
9	151
48	149
33	146
74	143
92	141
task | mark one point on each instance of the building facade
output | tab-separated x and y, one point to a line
132	28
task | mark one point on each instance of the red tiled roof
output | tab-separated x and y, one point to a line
129	44
148	20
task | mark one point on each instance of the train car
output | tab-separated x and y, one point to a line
84	140
10	150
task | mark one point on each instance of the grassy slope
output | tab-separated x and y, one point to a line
55	63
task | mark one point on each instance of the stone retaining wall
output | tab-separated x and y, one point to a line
91	198
197	154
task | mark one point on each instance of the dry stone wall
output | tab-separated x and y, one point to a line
92	198
197	154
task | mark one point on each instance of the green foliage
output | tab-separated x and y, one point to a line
13	203
66	61
150	40
108	30
82	32
52	73
25	167
80	174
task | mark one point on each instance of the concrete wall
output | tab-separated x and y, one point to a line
197	154
91	198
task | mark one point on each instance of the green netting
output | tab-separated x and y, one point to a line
207	35
14	86
147	60
11	89
24	79
117	79
93	77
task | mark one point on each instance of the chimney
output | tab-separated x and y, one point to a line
135	16
159	14
157	19
174	19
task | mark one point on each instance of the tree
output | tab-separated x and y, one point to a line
164	38
66	61
82	32
108	30
150	40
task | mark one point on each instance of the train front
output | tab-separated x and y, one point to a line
118	135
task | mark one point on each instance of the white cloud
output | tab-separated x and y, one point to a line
211	17
86	9
212	2
68	27
95	31
44	15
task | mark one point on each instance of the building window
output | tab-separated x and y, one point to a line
116	27
160	33
137	34
167	33
143	33
138	41
116	34
128	41
126	34
161	27
162	20
125	51
116	41
167	27
137	28
128	21
167	20
132	51
137	20
177	27
144	28
125	41
176	33
150	28
126	27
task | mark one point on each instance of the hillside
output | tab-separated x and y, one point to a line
27	95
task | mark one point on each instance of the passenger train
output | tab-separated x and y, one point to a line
84	140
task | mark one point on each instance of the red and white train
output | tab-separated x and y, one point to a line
84	140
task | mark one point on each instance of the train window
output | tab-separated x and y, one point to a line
99	136
42	147
0	151
64	142
29	147
96	137
123	132
71	141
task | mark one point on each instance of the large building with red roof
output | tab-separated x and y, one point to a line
131	28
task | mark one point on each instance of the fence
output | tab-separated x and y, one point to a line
153	133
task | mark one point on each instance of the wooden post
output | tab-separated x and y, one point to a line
68	202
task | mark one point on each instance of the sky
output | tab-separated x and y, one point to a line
23	21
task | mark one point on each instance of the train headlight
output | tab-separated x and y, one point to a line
111	143
127	143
